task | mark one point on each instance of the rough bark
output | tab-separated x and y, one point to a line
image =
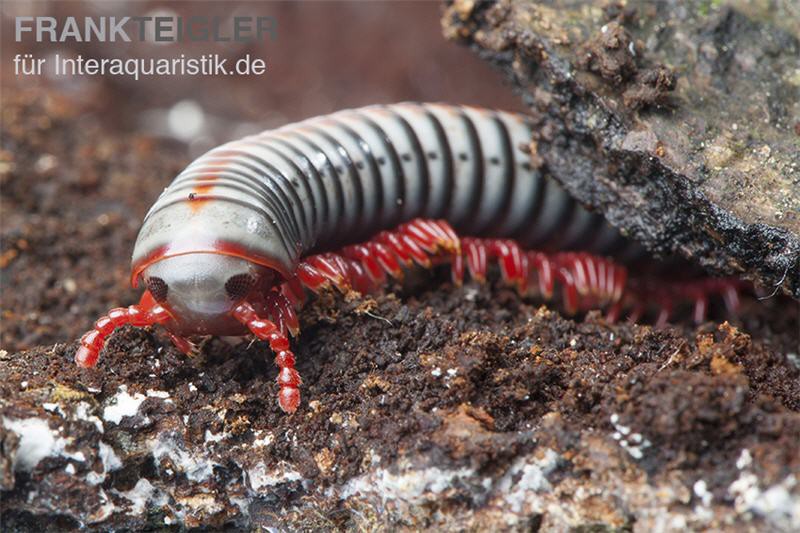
678	120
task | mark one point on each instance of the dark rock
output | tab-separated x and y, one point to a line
677	120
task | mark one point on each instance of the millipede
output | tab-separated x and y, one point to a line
236	242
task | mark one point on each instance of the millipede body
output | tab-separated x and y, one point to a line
232	244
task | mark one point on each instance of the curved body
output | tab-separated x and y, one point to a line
313	186
234	241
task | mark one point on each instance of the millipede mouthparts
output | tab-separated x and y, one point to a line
349	199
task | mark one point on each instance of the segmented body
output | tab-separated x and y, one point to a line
279	203
339	179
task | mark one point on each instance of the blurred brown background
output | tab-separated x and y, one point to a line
327	56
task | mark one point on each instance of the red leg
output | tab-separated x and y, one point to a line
281	312
614	312
476	252
569	290
288	379
543	267
148	312
664	312
364	267
664	295
294	292
457	270
183	344
585	281
730	294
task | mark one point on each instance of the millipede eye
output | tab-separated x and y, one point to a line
239	286
158	288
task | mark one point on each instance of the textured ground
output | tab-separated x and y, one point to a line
427	407
679	120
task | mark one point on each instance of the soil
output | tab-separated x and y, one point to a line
474	384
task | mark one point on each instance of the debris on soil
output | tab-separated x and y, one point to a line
611	54
427	407
677	120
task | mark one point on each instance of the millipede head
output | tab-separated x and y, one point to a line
202	289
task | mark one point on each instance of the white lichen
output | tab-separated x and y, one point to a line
53	408
242	503
108	457
214	437
106	509
259	477
744	460
36	442
266	440
531	473
413	486
82	414
157	394
633	443
122	405
143	496
700	489
196	467
110	462
779	504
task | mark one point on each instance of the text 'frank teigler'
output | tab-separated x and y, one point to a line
159	29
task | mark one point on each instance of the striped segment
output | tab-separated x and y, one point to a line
338	179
